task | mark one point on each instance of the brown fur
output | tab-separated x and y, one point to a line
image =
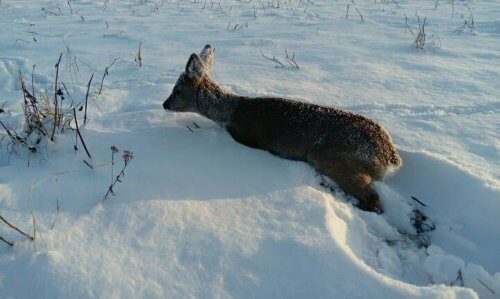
349	148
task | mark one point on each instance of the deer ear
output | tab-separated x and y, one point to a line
207	57
194	67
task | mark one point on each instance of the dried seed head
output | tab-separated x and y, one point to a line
114	149
127	156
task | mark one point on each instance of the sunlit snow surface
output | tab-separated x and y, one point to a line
199	215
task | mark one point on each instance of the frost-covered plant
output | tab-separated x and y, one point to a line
127	156
44	117
41	122
422	40
468	25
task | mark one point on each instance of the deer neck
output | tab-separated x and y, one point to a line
215	103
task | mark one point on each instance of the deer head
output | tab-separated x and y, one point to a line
183	96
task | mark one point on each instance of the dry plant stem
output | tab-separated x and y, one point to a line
58	206
106	73
7	242
452	8
33	101
67	91
139	58
88	164
116	180
291	60
86	100
459	280
33	220
32	84
8	132
56	114
114	150
79	134
489	289
417	200
420	39
70	8
360	15
408	26
15	228
58	209
35	224
274	59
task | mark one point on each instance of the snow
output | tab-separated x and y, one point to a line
199	215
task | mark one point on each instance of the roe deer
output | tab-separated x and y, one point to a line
349	148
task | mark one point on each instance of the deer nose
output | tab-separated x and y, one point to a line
166	105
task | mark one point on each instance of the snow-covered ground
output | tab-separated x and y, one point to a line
199	215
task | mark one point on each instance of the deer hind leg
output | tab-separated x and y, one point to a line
351	180
359	186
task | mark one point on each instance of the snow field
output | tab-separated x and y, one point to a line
199	215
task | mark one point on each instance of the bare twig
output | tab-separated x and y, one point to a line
58	205
114	151
460	279
70	8
7	242
86	100
56	114
67	91
236	27
138	58
417	200
360	15
33	218
79	134
468	24
32	84
452	2
127	157
88	164
408	26
274	59
489	289
15	228
106	73
420	39
291	60
8	132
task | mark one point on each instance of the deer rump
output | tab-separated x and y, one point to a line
350	149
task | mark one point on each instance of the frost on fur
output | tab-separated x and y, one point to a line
207	56
351	149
